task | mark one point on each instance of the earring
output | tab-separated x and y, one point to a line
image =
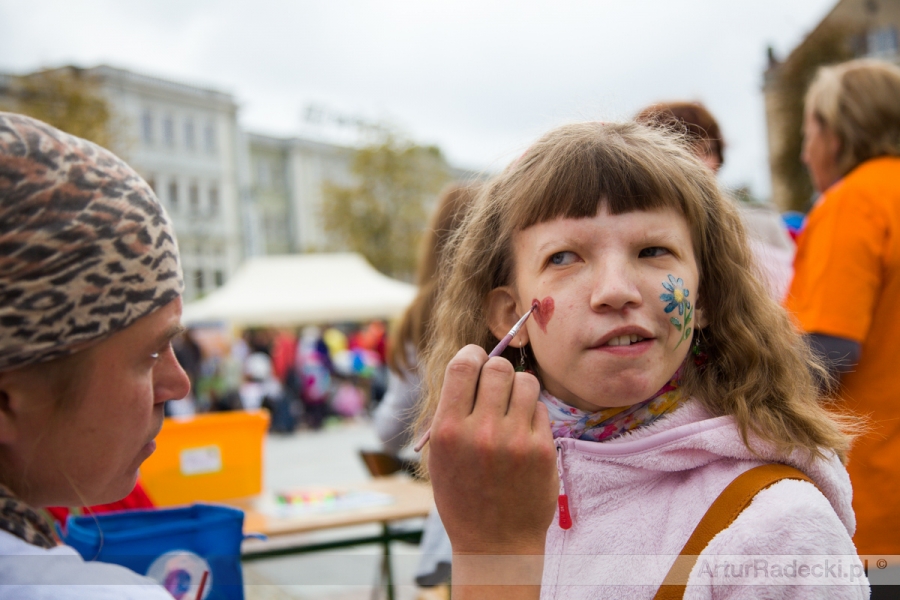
521	366
700	356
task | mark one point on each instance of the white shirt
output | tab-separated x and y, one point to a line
28	572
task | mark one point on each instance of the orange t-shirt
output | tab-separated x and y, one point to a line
847	284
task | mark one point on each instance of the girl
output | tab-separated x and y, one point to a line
664	367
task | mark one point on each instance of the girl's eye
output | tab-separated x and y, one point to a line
563	258
653	252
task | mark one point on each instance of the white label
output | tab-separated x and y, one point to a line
196	461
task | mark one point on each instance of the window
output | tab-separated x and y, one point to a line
173	194
147	126
213	199
198	280
263	173
189	133
220	278
151	181
209	137
194	199
169	131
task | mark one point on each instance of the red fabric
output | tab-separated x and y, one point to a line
284	353
372	337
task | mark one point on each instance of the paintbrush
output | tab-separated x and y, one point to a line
495	352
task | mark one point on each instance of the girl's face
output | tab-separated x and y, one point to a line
618	296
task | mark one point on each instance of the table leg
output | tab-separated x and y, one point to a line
413	536
386	562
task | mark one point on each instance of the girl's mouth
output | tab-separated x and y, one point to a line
624	340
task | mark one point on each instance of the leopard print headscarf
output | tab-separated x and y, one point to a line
86	248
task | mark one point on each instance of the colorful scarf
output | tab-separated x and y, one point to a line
569	422
24	522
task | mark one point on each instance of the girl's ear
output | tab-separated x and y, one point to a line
699	318
502	314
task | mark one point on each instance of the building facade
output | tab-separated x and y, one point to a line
287	177
231	194
864	28
185	141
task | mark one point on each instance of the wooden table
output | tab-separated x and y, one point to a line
412	499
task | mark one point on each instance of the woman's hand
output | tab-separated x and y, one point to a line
493	467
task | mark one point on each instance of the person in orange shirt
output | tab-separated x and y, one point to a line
846	289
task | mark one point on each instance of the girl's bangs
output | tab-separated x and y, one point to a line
575	183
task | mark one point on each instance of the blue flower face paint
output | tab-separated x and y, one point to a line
676	296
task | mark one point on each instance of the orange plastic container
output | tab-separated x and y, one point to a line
214	456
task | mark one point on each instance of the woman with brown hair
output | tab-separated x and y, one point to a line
694	121
411	337
394	416
847	284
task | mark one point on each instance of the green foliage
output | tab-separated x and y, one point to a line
383	215
66	98
830	44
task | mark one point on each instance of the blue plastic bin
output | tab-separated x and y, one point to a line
172	545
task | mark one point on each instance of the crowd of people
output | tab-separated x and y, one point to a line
300	376
685	389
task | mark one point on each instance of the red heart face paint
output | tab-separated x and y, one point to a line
543	310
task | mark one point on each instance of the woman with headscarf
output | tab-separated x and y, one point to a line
846	288
90	300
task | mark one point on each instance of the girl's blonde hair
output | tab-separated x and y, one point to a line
759	369
857	101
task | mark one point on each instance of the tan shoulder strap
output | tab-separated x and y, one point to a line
722	513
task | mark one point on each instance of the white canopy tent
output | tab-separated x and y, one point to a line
300	289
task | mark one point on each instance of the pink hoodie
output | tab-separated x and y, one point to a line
635	500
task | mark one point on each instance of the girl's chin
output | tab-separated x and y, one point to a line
629	398
596	407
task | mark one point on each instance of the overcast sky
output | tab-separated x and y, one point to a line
481	79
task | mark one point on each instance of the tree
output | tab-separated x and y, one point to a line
382	216
67	98
830	44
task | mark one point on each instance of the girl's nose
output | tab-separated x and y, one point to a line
615	287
